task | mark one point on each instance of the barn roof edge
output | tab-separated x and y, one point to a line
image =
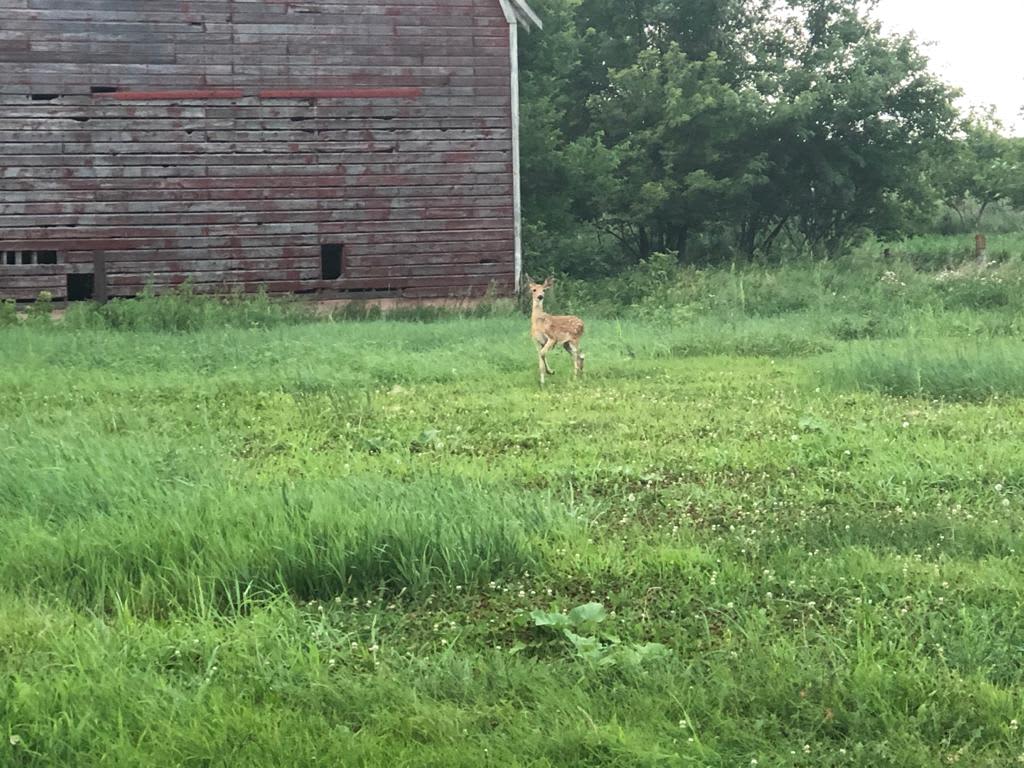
526	15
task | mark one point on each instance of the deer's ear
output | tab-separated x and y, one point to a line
527	280
549	282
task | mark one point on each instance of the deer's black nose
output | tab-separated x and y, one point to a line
540	297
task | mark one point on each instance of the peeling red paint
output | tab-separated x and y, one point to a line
342	93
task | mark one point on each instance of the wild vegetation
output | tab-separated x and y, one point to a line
778	523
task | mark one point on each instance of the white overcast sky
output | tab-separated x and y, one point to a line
976	45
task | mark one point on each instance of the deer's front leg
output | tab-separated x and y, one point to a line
543	351
543	360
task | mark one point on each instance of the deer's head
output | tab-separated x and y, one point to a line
537	290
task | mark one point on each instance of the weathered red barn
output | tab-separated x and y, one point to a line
337	146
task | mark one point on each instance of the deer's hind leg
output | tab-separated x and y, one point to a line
573	348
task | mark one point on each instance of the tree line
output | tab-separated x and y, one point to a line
724	129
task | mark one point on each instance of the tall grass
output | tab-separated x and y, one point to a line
934	369
99	527
184	311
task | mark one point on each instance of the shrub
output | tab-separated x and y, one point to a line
853	327
8	313
971	287
41	310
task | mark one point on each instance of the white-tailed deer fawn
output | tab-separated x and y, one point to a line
549	330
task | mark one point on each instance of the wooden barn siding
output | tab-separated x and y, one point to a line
245	133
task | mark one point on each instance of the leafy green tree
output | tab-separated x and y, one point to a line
733	124
982	168
680	130
567	174
853	112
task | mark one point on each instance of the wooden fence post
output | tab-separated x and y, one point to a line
980	248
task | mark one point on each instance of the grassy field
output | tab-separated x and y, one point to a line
779	524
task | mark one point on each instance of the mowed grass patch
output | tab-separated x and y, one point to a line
301	686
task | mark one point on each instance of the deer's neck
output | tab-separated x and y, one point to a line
538	310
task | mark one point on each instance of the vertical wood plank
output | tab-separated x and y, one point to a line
101	292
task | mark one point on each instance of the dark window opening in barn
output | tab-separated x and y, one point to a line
10	257
103	89
45	96
47	257
28	258
331	261
81	287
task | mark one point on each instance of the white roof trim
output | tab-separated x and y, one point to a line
523	13
531	17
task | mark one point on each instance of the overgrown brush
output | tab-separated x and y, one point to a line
859	297
931	253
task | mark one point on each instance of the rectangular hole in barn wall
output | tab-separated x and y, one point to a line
46	257
10	257
81	287
332	261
